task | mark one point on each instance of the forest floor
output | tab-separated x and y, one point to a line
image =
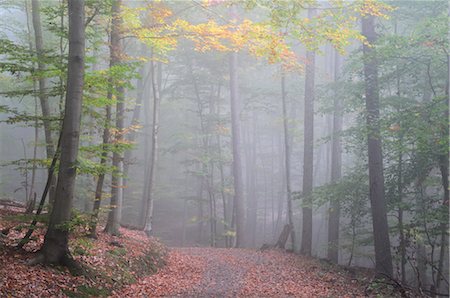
220	272
133	265
109	262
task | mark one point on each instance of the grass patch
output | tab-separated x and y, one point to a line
88	291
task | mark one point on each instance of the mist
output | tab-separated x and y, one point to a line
320	129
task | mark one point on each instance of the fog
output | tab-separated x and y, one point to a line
220	118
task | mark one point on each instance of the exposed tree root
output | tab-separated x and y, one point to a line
65	260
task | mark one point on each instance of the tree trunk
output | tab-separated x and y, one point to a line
31	199
287	161
55	248
251	180
101	177
43	98
114	215
225	203
445	184
308	153
154	147
237	163
383	258
134	122
239	203
336	164
146	153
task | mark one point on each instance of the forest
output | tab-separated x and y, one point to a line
224	148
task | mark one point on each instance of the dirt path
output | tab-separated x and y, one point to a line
217	272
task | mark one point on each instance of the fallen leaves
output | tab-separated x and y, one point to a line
115	261
181	274
218	272
189	272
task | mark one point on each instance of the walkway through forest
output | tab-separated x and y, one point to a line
218	272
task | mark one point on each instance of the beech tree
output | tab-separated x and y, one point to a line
336	165
239	204
287	160
308	151
55	248
115	213
383	258
156	87
43	97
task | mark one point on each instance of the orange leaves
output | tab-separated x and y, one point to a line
154	25
206	36
110	265
220	272
373	8
181	274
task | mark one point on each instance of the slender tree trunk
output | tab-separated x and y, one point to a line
225	203
115	213
30	201
287	161
101	177
251	177
336	164
154	147
45	106
308	153
212	195
444	160
147	153
55	248
280	206
383	258
239	204
134	122
402	244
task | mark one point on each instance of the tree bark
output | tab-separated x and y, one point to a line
154	147
308	153
43	98
134	122
101	177
383	258
115	213
238	204
444	160
336	165
55	248
30	201
287	162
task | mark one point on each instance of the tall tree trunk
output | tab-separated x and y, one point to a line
101	177
336	165
445	184
30	201
115	213
146	153
134	122
308	153
55	248
154	146
383	258
287	161
43	98
226	204
212	195
280	206
239	203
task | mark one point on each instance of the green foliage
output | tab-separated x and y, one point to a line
118	251
81	246
88	291
78	222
